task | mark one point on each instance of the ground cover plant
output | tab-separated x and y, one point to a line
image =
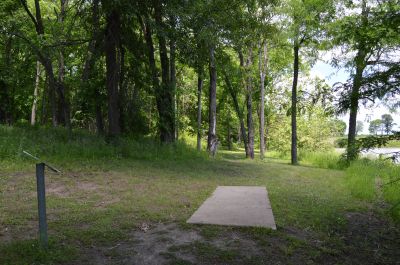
120	209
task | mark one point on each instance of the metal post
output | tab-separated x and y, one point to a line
41	195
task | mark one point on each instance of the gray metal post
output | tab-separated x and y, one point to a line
41	195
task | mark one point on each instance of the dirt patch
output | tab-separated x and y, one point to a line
370	239
11	233
87	186
365	239
58	190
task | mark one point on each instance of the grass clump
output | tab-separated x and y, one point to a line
58	145
365	178
328	159
360	177
31	252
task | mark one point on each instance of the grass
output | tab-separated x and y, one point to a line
106	191
393	144
368	178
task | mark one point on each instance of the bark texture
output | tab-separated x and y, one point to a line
212	104
91	57
239	113
112	39
249	102
35	94
199	92
296	49
360	64
165	93
262	63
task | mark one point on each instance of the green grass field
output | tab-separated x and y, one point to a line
105	195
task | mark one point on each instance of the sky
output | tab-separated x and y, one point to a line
332	75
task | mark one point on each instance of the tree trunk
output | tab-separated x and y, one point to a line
112	67
99	113
263	60
352	151
5	94
229	136
165	94
122	89
212	107
249	103
35	94
92	55
199	92
61	71
294	104
242	130
146	28
172	77
94	42
45	103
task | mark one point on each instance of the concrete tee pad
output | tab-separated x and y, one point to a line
236	206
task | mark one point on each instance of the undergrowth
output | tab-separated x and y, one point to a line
366	178
57	144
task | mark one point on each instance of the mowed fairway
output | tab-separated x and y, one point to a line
128	211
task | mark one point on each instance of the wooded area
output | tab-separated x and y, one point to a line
138	68
149	108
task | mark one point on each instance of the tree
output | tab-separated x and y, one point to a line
262	66
212	140
375	126
359	127
306	20
387	122
112	46
367	36
44	56
165	93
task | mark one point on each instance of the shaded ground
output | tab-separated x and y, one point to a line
365	239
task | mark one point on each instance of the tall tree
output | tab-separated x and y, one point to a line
306	19
45	59
387	122
374	126
35	94
165	93
262	66
212	140
239	113
367	36
199	93
93	53
112	41
249	101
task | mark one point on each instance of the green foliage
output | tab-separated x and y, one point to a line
387	122
327	159
368	179
375	126
57	144
314	130
339	127
360	177
341	142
